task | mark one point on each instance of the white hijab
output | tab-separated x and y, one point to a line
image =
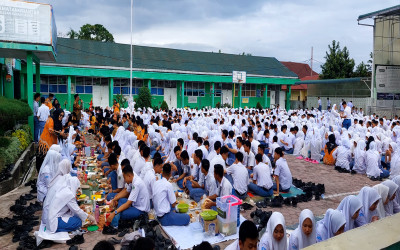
63	168
395	160
349	206
268	241
368	196
119	134
303	240
372	158
68	149
383	191
393	188
397	181
49	166
330	224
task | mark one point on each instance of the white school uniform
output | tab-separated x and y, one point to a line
138	194
163	197
262	175
251	159
240	177
283	172
149	179
224	188
120	178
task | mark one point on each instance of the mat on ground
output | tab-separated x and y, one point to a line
186	238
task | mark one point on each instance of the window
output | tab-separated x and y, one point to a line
157	87
248	90
51	84
84	85
194	89
122	86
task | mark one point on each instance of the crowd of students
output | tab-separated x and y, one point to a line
214	153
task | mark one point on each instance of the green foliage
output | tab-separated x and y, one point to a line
259	106
23	137
95	32
338	63
11	153
11	111
226	105
121	100
143	100
4	142
218	105
362	70
164	106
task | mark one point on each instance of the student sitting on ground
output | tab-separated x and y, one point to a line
164	200
282	174
262	182
224	187
209	186
238	175
134	200
184	166
117	178
275	235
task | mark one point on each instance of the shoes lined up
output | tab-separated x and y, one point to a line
260	218
6	172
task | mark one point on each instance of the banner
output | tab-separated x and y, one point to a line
192	99
245	100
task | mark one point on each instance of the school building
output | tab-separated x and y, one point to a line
100	70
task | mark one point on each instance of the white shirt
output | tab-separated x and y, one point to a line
273	147
138	194
267	161
233	246
163	197
209	184
120	178
240	177
149	179
319	101
216	160
347	112
224	188
139	164
43	113
262	175
254	146
251	159
283	172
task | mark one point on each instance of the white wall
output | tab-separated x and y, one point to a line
170	97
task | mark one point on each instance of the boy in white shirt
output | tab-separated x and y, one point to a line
282	174
262	182
238	175
138	201
164	198
250	163
209	186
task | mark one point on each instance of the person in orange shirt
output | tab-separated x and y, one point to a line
49	101
116	107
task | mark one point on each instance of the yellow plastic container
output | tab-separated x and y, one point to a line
96	196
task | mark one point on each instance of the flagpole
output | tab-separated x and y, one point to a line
130	68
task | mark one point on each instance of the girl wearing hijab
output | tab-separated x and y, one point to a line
394	160
274	237
305	234
46	173
392	207
343	156
52	129
397	195
350	207
61	212
331	225
330	148
372	160
369	198
315	147
359	158
383	191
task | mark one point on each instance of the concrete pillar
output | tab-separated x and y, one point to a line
288	96
69	93
147	82
183	93
22	84
240	95
29	86
8	87
37	65
111	91
266	96
213	95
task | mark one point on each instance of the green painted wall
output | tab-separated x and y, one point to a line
252	102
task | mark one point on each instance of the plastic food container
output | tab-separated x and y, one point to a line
208	215
228	214
182	208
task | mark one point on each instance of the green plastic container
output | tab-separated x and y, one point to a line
183	208
209	215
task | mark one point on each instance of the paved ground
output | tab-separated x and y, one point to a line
337	186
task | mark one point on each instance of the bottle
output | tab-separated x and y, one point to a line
97	213
85	178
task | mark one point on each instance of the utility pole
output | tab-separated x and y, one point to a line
312	58
130	68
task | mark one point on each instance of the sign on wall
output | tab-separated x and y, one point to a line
239	77
27	22
192	99
245	100
387	79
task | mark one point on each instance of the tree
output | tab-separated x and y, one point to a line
120	98
144	98
259	106
338	63
95	32
164	106
362	70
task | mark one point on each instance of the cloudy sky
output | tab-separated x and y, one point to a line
285	29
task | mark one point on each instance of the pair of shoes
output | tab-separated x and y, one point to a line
109	230
345	171
123	232
45	244
114	241
314	161
376	178
299	157
77	240
27	197
353	172
8	228
246	206
277	201
307	159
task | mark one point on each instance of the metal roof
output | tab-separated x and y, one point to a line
332	81
395	10
114	55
